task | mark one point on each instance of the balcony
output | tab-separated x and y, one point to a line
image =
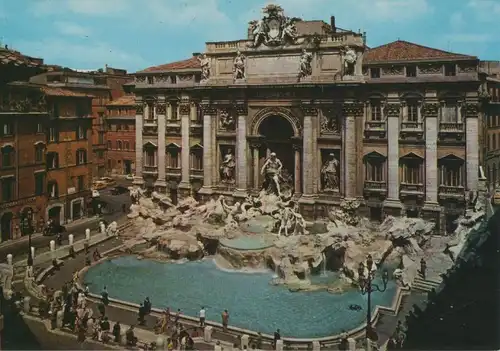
173	172
173	127
375	130
407	190
451	192
451	131
196	173
375	188
150	170
412	130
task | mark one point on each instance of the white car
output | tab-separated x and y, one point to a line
95	193
129	177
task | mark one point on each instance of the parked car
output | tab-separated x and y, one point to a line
108	181
117	190
496	197
129	177
99	185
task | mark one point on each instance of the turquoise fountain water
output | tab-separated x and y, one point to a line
252	302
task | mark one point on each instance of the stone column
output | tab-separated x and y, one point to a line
208	152
256	170
139	119
241	152
472	146
160	183
185	185
309	153
351	111
393	203
297	170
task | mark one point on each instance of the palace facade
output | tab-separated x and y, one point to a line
396	127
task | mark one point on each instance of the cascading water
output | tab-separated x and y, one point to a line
323	264
276	271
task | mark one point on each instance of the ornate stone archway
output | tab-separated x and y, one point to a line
275	111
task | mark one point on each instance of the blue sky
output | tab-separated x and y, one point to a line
134	34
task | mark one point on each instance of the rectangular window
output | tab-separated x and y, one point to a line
100	154
412	173
376	111
412	112
39	128
7	157
451	175
80	133
449	112
53	135
173	158
150	158
100	137
39	183
81	183
374	72
8	189
450	70
374	171
81	157
39	151
7	129
197	160
411	71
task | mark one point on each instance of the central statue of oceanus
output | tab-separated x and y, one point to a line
272	171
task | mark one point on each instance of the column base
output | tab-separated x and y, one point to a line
432	211
138	181
393	207
184	190
307	206
161	186
240	194
206	193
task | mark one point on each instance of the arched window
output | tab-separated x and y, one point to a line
126	145
8	156
110	145
119	145
39	152
53	189
81	157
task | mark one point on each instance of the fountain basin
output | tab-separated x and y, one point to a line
253	242
253	303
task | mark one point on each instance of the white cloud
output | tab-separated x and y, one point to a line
72	29
469	38
485	10
81	55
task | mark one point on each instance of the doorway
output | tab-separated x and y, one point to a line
27	221
278	133
55	214
127	167
6	226
76	210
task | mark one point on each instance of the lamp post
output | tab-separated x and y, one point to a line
367	287
26	228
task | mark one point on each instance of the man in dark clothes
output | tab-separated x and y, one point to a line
117	331
142	314
277	336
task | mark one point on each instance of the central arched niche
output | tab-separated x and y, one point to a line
277	133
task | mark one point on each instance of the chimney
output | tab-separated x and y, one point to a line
332	24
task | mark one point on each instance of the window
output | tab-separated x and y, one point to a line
7	129
449	112
53	189
173	79
151	111
412	171
375	111
81	183
374	170
374	72
39	183
80	133
126	145
150	80
150	157
173	155
451	173
53	135
196	158
8	156
119	144
412	111
100	118
39	128
39	151
450	70
411	71
52	160
174	111
110	145
100	137
81	157
8	189
100	154
126	127
55	111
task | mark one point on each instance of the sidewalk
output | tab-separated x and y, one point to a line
68	227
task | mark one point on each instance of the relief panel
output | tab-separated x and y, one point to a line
330	62
273	65
224	66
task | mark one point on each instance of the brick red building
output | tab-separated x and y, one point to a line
120	136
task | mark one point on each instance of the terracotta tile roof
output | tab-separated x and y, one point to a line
401	50
126	100
11	57
50	91
191	63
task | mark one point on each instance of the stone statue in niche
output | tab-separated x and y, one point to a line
330	173
272	171
350	58
330	121
239	66
226	121
227	168
205	66
305	68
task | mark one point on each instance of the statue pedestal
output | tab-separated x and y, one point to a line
161	186
138	181
184	190
240	194
306	203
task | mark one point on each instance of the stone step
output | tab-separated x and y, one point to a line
425	285
435	280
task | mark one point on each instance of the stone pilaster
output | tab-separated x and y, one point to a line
351	111
308	150
472	145
208	152
139	120
432	210
160	183
185	185
392	205
241	152
297	170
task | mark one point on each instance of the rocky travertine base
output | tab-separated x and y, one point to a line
339	243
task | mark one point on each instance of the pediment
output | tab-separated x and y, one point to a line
197	146
451	157
173	146
150	144
374	155
412	155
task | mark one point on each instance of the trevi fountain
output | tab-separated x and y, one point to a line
265	263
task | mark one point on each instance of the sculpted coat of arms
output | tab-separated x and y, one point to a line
274	28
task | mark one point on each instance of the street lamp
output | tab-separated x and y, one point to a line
26	228
366	285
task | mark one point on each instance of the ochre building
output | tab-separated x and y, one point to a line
396	126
